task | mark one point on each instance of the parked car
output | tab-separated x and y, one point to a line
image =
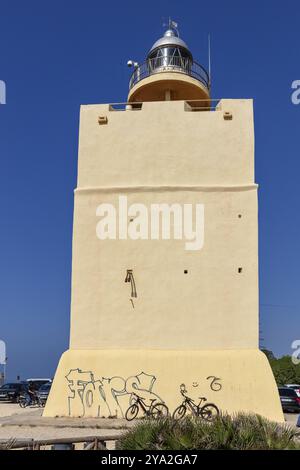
43	393
38	382
289	399
11	392
295	387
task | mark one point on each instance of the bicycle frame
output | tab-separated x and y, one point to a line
195	409
139	401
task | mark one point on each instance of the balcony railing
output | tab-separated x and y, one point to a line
170	64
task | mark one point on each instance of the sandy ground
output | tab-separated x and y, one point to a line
291	418
29	430
9	412
9	409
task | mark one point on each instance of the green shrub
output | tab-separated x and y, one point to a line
240	432
284	370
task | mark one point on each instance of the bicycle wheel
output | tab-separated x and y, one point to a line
132	412
160	410
180	412
209	412
23	402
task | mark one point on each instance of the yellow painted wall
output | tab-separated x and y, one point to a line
165	154
162	144
211	307
181	328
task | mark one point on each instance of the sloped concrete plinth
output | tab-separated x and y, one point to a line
101	383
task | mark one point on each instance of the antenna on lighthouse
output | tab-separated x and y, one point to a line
209	61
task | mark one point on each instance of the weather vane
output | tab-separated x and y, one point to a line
171	25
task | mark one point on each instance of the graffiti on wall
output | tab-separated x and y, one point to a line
130	278
106	396
214	383
112	396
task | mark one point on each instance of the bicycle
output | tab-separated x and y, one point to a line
156	410
209	411
27	400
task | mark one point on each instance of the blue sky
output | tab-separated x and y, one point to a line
57	55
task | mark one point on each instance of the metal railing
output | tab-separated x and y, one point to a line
89	443
189	105
172	64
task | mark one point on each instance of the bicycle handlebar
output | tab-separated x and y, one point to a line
184	394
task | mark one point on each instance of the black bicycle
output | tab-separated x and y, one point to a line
156	410
209	411
28	400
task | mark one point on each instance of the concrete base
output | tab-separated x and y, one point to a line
100	383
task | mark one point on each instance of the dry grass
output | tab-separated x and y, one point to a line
240	432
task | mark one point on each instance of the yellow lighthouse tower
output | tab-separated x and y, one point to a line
165	251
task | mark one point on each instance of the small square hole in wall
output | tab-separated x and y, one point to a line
185	271
240	270
227	116
102	120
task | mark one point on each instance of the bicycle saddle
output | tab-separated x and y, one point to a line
202	398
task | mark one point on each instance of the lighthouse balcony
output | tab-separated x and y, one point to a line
170	64
169	77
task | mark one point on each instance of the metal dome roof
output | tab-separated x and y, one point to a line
170	38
